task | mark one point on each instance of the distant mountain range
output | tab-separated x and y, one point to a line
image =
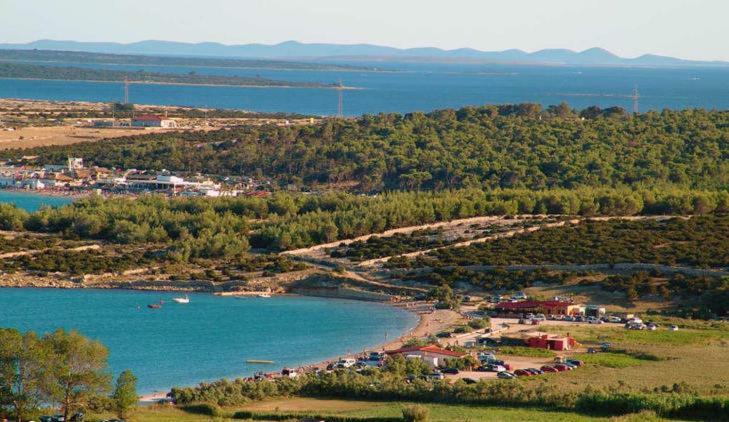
293	50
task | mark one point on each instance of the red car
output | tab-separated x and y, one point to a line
547	368
522	373
561	368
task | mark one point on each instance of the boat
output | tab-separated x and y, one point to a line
185	299
259	361
154	305
264	295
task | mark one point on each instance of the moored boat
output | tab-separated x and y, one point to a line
185	299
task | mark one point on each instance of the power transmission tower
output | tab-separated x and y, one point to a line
635	96
340	105
126	91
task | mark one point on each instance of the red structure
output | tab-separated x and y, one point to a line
547	341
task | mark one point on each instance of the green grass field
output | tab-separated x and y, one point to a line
364	410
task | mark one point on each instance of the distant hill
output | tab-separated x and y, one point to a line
296	50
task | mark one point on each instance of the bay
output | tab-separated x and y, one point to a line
209	338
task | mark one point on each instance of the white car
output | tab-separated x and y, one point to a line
615	319
673	327
593	320
346	363
539	317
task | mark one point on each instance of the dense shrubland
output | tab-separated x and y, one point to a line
701	241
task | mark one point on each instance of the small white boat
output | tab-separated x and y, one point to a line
185	299
264	295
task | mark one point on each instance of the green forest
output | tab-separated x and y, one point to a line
228	227
508	146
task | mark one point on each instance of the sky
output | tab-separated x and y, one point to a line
690	29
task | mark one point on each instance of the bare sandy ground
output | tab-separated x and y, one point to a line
30	137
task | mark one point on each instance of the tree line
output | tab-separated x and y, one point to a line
190	228
507	146
62	369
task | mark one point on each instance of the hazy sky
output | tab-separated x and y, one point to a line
695	29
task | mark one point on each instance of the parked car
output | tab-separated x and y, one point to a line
436	375
593	320
561	367
575	362
673	327
651	326
486	357
536	371
539	317
547	368
346	363
444	334
522	373
614	319
492	367
451	371
506	375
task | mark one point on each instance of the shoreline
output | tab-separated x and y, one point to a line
135	82
424	320
429	321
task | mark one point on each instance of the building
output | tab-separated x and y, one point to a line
432	355
551	342
542	340
152	120
595	311
546	307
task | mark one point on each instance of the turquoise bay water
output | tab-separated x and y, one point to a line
209	338
32	201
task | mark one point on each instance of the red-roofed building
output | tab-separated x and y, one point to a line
152	120
432	355
547	307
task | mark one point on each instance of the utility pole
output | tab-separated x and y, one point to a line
635	96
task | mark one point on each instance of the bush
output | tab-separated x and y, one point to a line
478	324
415	413
207	409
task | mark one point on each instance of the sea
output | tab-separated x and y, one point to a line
31	201
210	338
407	87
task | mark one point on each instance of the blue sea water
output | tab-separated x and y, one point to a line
407	87
209	338
32	201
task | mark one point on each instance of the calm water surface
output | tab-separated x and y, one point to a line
32	201
412	87
209	338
